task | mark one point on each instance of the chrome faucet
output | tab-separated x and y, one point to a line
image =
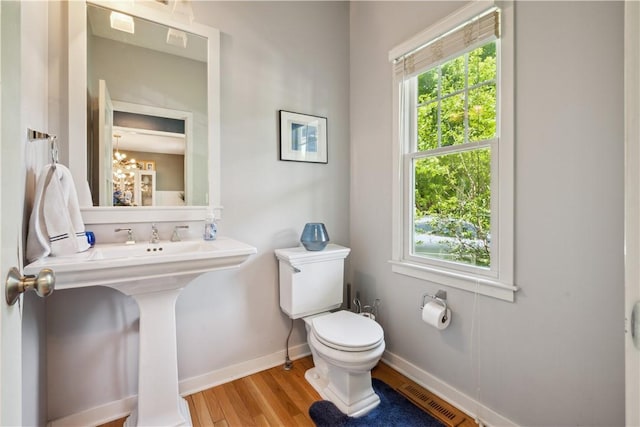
176	236
130	239
155	237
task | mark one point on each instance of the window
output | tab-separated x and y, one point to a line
453	199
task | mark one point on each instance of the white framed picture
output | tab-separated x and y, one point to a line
303	138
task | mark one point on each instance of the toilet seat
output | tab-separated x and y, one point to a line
347	331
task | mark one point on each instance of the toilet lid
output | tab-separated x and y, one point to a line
344	330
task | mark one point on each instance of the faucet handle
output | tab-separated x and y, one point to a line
175	237
130	239
155	236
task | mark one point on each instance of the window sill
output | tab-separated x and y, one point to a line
483	286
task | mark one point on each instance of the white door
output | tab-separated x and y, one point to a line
632	212
12	141
105	140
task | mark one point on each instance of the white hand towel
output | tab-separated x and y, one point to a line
55	226
84	195
37	237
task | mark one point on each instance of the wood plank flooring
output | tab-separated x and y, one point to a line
276	397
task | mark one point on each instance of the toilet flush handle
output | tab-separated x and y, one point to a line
296	269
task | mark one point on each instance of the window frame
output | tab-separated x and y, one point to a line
496	281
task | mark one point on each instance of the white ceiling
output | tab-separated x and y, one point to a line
147	34
152	36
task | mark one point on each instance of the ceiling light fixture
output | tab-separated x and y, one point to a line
122	22
177	38
183	9
121	166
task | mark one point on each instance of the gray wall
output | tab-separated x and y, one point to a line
292	56
556	355
169	168
274	55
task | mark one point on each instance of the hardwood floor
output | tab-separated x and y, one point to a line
276	397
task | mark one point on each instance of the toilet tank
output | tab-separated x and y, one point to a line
311	281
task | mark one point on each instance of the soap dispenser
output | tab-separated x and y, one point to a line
210	228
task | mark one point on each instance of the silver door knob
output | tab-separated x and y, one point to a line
43	284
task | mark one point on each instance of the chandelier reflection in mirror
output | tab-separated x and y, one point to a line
124	173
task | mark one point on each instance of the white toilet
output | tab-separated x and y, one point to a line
345	346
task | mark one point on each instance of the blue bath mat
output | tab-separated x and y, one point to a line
393	410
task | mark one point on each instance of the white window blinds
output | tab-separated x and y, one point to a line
473	33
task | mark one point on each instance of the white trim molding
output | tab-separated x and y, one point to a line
482	414
483	286
77	115
632	204
499	281
449	22
121	408
240	370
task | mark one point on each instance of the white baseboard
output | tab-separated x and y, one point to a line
121	408
233	372
483	414
97	415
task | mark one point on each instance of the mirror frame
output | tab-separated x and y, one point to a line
77	114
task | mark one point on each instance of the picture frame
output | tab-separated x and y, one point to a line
303	137
150	165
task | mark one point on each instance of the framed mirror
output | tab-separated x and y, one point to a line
144	111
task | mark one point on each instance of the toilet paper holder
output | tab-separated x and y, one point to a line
440	296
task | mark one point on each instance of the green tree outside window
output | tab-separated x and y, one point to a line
452	194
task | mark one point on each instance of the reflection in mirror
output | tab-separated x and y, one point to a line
143	145
147	113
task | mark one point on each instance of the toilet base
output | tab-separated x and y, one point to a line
355	409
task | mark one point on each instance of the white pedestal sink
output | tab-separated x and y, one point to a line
154	275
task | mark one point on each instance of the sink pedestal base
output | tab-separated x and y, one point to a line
153	275
132	420
159	401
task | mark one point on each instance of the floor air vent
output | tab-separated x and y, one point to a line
432	404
